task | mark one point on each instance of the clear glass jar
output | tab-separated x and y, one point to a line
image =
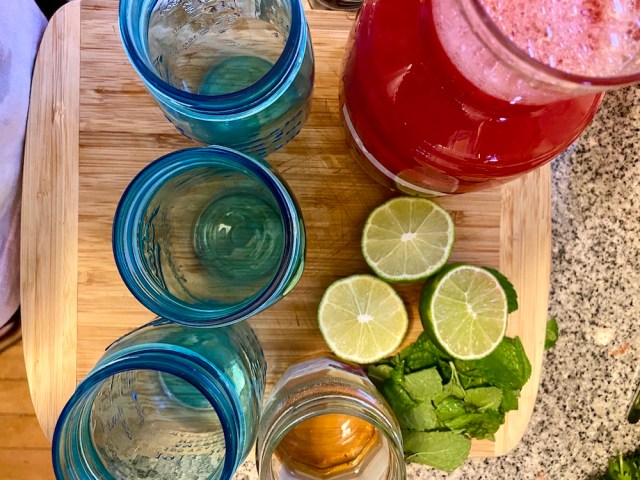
208	236
325	419
165	401
437	98
234	73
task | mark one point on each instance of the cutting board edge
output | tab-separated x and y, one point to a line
501	447
48	285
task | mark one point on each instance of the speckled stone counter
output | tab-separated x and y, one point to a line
590	376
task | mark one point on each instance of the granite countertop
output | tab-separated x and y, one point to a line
590	376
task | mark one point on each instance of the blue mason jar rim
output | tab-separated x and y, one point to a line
189	366
128	217
257	95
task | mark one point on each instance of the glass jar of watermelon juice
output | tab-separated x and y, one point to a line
451	96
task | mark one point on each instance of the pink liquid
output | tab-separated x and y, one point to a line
418	123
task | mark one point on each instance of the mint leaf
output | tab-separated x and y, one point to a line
421	417
396	396
397	374
478	425
423	385
507	286
551	335
507	367
623	467
449	408
485	398
379	373
442	450
454	388
509	400
421	354
451	389
472	381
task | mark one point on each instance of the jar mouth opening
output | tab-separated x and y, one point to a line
127	230
74	420
313	409
521	55
275	80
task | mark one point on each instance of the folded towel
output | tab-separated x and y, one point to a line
21	27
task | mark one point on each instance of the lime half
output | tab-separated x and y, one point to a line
465	308
407	239
362	318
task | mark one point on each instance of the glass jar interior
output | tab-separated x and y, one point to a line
333	446
148	424
212	236
216	47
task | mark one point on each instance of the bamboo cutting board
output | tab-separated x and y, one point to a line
93	126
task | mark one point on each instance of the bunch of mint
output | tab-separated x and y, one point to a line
442	403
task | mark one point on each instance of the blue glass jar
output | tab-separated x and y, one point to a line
165	401
234	73
208	237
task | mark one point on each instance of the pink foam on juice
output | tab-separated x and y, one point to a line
590	37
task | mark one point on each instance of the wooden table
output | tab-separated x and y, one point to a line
92	126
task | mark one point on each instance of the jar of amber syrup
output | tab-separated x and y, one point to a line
325	419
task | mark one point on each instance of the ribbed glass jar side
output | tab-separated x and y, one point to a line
165	400
179	262
257	118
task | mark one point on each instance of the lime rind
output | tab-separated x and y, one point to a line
467	311
407	239
362	319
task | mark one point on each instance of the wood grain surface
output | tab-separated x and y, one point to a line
25	453
49	273
121	130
